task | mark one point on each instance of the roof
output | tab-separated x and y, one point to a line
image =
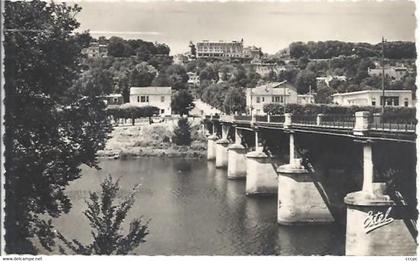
150	90
113	95
276	88
370	91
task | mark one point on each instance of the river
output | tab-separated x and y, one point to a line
195	210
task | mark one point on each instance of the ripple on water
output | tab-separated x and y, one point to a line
195	210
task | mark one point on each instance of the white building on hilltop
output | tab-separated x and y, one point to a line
273	92
159	97
206	49
394	73
95	50
397	98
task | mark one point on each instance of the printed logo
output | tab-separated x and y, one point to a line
374	221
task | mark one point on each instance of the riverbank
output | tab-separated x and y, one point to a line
153	140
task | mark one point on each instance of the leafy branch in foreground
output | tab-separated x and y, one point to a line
106	219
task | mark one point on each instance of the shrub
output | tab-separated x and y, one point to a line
182	133
132	112
106	219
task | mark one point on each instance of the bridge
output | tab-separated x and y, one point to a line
375	225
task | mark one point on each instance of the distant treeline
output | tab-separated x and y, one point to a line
119	47
329	49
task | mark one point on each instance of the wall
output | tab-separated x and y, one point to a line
258	108
154	100
365	99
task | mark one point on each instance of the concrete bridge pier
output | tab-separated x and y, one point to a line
261	177
222	148
299	197
211	147
211	144
376	225
237	158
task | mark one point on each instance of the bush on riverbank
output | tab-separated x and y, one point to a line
182	133
132	112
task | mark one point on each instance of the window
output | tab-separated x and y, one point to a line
162	98
406	102
390	100
143	98
262	99
258	99
138	98
162	111
373	101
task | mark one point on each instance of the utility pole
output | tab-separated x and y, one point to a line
284	100
383	77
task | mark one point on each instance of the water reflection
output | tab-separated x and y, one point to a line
196	210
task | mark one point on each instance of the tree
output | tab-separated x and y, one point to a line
94	82
105	219
304	80
323	95
193	50
303	62
162	49
298	49
234	101
47	134
174	76
182	102
118	47
182	133
288	75
142	75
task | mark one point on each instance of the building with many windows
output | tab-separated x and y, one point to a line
308	98
221	49
96	50
273	92
398	98
159	97
393	73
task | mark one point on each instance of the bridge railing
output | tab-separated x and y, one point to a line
337	120
308	119
405	125
341	121
262	118
242	117
277	118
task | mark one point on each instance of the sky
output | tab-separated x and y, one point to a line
270	25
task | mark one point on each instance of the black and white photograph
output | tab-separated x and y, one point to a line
230	128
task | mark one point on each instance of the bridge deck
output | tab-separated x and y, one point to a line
389	131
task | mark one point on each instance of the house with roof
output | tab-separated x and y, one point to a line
193	79
272	92
396	98
325	80
113	99
156	96
395	73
